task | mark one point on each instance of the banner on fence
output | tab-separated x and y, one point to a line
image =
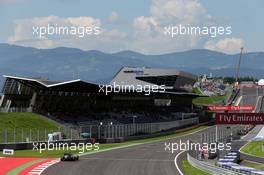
240	118
8	152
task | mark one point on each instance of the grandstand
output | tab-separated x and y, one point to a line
79	102
247	94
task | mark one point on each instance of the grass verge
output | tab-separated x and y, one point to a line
190	170
208	100
18	127
254	165
25	120
254	148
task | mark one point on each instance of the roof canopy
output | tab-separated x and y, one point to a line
74	86
67	86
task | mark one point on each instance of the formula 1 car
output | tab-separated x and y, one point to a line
69	157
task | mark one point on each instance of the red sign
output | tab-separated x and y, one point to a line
250	86
231	108
240	118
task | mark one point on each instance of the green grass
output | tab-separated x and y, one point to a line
197	91
254	165
59	153
24	120
254	148
190	170
208	100
25	125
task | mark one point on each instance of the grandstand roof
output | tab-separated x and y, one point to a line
73	85
46	83
126	75
133	75
70	86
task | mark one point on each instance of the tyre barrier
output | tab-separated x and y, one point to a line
230	162
209	167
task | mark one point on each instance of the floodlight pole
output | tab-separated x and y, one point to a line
99	130
216	133
134	123
239	62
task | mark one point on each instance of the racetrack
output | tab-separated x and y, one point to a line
251	135
145	159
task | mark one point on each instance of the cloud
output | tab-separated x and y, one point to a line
149	30
227	45
179	11
23	33
107	40
145	23
145	33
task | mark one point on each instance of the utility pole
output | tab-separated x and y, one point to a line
239	62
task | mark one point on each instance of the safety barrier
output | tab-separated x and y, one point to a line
120	131
209	167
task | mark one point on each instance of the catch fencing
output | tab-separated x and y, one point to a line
14	109
26	135
219	134
114	131
136	129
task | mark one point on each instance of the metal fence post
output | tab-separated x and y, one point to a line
119	131
90	130
14	141
45	135
71	133
22	135
113	131
6	136
128	130
38	134
123	130
30	139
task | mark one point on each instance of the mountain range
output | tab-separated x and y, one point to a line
96	66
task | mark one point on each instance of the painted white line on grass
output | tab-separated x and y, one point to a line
240	150
250	161
243	147
251	155
176	164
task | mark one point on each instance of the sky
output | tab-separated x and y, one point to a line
137	25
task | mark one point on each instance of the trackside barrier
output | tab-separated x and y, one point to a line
208	167
228	163
117	131
241	169
14	109
231	164
27	135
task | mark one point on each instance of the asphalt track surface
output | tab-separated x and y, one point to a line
249	137
145	159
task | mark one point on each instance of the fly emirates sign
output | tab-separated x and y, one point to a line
240	118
